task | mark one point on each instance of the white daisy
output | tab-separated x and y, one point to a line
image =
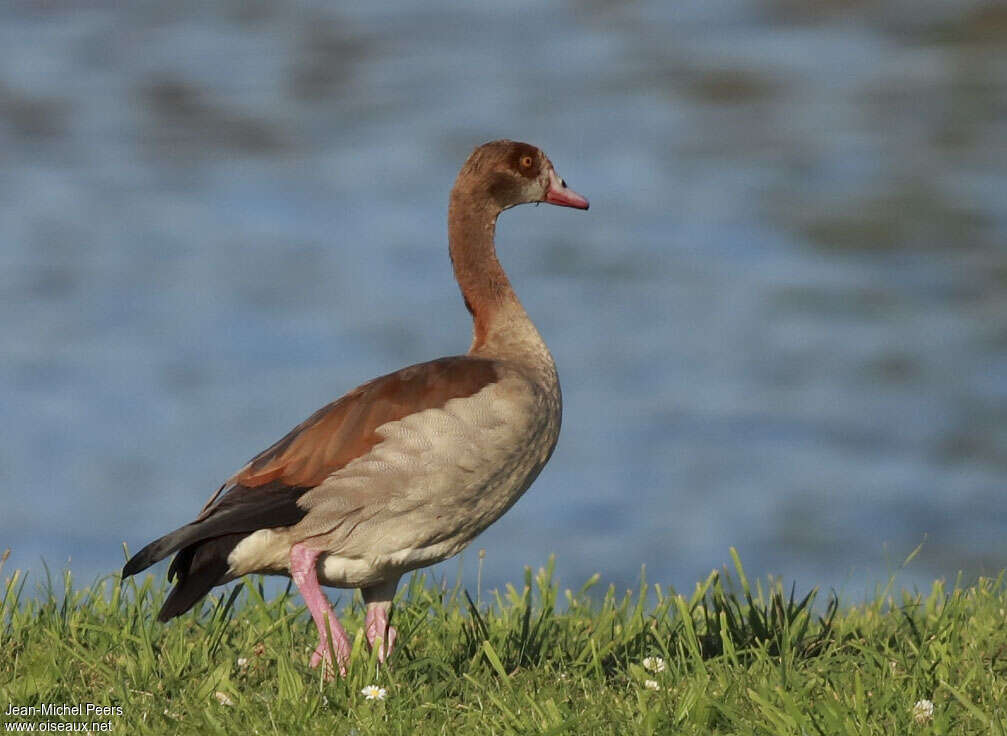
923	711
651	685
373	692
653	664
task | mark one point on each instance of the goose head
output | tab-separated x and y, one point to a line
508	173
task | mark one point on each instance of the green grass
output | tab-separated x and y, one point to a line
737	659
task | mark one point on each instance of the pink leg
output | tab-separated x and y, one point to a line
302	570
379	601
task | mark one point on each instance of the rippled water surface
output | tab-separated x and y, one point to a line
782	326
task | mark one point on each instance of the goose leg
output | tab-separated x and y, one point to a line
379	602
305	575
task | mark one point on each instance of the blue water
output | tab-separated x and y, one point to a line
782	326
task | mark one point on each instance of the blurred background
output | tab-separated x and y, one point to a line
782	326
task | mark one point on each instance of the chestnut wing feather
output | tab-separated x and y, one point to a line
345	429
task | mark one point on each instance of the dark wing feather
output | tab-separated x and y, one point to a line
198	568
263	507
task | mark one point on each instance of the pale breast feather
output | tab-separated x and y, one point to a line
474	453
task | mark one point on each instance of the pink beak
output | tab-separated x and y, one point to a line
559	194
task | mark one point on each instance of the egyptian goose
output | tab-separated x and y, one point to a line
405	470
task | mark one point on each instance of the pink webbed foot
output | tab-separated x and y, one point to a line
341	645
378	599
322	654
376	627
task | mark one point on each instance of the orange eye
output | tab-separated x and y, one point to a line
526	162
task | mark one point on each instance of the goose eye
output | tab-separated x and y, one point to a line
526	162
